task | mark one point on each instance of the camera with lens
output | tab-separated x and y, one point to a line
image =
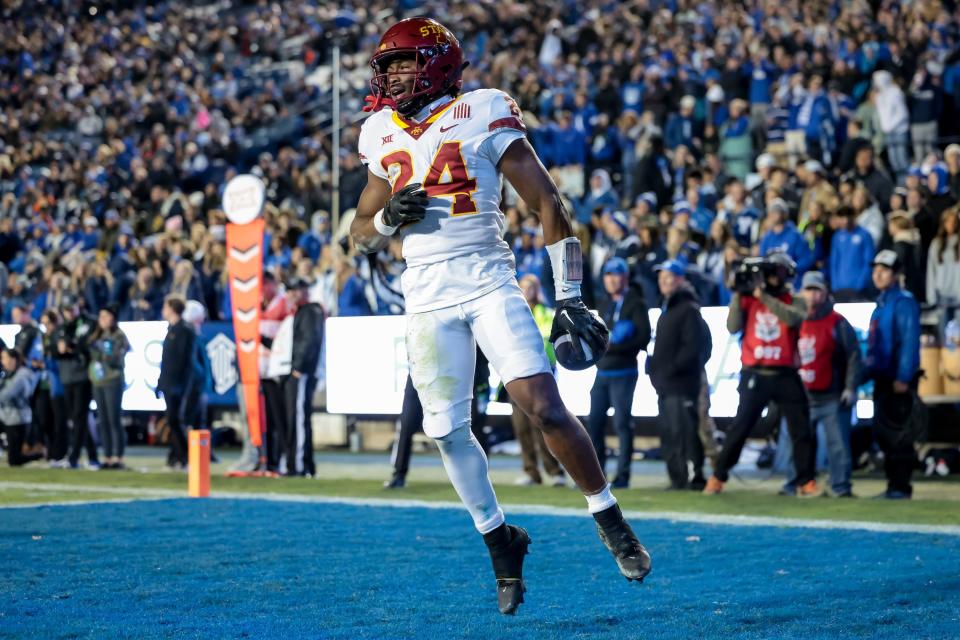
755	272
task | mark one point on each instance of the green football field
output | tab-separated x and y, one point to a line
343	475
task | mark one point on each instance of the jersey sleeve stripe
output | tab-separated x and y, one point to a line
509	123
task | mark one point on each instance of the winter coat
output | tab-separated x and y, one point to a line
891	104
15	392
73	363
307	338
676	365
107	354
177	359
629	333
281	350
893	344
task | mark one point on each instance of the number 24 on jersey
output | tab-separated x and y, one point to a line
449	164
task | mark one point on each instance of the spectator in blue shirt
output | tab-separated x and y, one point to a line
569	144
312	241
584	114
783	235
682	127
527	255
893	363
90	235
851	252
631	93
736	210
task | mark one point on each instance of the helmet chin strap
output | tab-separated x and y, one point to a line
410	108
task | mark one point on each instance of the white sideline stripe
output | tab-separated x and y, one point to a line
526	509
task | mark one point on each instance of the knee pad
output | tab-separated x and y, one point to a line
456	439
445	423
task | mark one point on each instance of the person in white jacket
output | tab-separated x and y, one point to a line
943	267
16	388
891	104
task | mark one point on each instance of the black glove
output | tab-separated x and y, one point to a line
406	206
573	317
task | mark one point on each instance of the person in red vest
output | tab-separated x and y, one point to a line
770	318
829	368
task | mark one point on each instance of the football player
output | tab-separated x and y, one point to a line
435	159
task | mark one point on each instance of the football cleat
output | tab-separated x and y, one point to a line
631	556
508	569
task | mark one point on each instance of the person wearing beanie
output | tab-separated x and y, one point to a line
625	314
681	350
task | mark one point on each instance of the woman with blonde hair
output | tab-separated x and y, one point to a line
184	282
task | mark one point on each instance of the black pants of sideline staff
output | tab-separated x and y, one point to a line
298	412
680	440
175	401
891	414
78	396
757	389
276	427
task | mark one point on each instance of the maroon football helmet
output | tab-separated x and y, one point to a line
439	63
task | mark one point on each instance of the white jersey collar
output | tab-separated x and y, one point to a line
424	113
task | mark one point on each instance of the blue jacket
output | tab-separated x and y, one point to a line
569	146
893	345
680	131
352	301
851	253
791	242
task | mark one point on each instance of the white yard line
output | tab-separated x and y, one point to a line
527	509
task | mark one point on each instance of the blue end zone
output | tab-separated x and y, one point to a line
259	569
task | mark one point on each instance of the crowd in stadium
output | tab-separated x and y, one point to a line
698	131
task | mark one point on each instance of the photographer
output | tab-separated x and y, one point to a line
72	359
16	389
770	318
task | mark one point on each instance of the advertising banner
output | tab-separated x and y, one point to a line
367	367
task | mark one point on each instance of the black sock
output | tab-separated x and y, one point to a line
499	538
609	517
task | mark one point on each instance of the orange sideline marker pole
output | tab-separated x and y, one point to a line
199	475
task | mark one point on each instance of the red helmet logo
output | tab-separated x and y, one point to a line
438	56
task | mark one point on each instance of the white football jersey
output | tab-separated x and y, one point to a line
457	253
